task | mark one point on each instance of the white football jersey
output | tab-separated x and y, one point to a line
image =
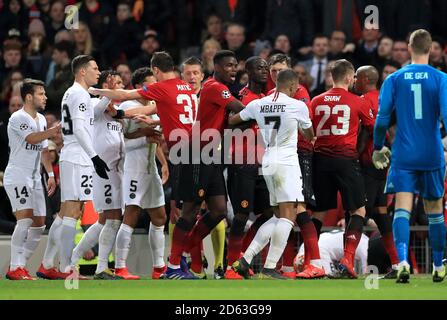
76	104
108	139
331	249
279	117
140	155
24	159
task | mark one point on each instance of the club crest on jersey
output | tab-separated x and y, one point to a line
226	94
87	191
132	196
22	201
244	204
201	193
82	107
24	127
108	201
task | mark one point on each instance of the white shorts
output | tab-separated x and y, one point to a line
284	183
144	190
76	182
107	193
28	195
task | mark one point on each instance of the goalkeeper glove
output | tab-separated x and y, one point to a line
100	167
381	159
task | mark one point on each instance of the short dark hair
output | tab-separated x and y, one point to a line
250	63
80	61
193	61
319	36
340	69
65	46
286	76
29	86
280	58
420	42
392	63
163	61
139	75
103	76
222	54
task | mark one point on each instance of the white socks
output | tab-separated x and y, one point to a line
261	239
32	241
53	238
278	242
88	241
156	239
123	239
106	242
18	242
66	243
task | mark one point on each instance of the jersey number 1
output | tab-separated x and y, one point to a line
417	89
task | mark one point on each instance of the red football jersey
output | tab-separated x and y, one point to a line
303	95
212	113
337	116
251	150
372	98
176	105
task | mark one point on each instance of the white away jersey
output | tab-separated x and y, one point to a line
331	249
279	117
24	158
76	104
140	156
108	139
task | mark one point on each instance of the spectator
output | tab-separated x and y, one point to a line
366	53
337	44
235	41
63	76
97	16
83	41
341	15
400	52
11	80
56	21
156	16
385	49
63	35
304	77
282	43
209	50
38	50
292	18
214	29
328	81
126	75
263	49
149	46
12	16
122	44
437	55
12	59
389	68
439	12
317	65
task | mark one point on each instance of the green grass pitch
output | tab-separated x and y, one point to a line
419	288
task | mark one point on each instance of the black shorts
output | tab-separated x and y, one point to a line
375	191
198	182
247	189
331	175
306	165
174	180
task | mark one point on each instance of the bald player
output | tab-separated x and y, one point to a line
367	78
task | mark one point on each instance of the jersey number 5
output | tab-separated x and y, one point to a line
190	107
326	113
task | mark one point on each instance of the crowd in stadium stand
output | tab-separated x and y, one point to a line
123	35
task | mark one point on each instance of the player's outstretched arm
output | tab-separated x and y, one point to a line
38	137
132	112
117	94
235	106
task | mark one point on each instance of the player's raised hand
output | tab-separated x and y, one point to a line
53	131
51	186
381	159
101	167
